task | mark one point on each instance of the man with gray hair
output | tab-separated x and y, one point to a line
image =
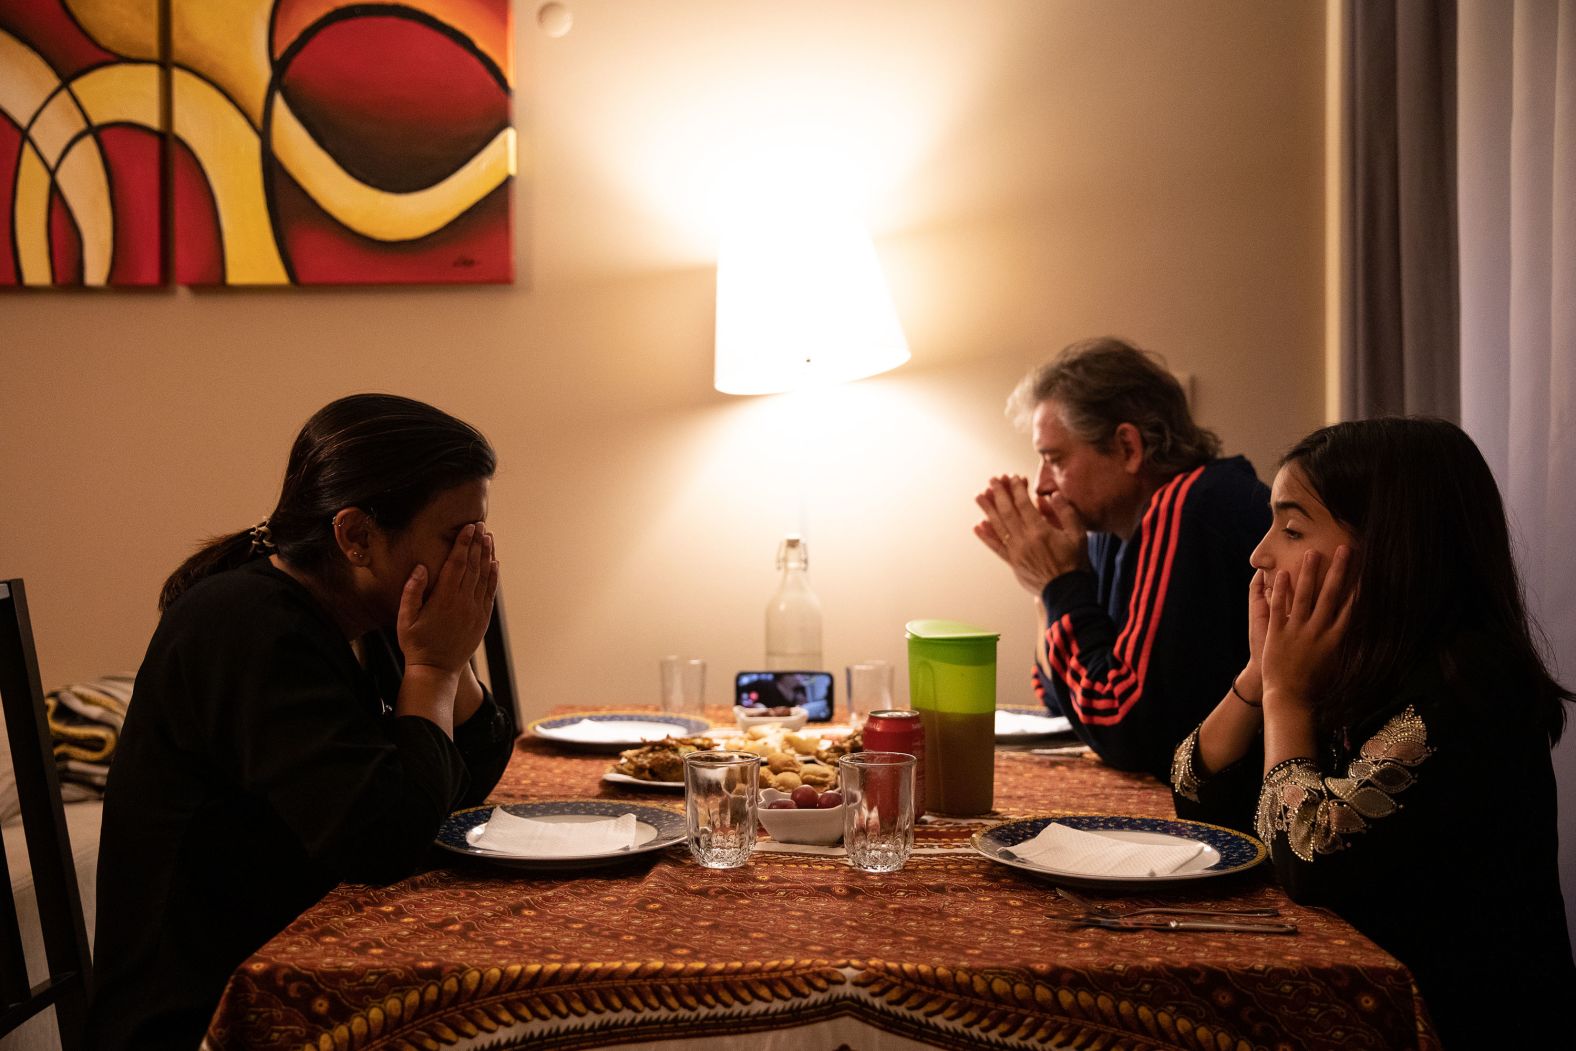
1134	542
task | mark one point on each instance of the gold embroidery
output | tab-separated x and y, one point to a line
1184	779
1318	813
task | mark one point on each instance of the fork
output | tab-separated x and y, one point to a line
1114	914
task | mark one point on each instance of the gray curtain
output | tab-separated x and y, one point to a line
1399	349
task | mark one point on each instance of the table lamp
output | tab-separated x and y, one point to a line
801	302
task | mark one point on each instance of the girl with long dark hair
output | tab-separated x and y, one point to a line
306	713
1389	738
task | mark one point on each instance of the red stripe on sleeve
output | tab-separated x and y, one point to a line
1124	684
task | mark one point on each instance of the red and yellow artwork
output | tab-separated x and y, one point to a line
80	142
310	141
342	142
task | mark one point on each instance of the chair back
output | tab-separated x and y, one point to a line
500	666
65	988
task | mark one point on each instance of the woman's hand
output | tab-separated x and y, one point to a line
444	630
1304	626
1039	538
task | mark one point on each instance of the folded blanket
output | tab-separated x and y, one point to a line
85	720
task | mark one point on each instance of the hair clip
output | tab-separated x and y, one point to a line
262	538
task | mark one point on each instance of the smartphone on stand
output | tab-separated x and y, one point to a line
810	690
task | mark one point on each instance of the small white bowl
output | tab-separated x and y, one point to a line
818	826
793	721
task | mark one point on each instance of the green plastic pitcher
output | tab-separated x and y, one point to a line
952	685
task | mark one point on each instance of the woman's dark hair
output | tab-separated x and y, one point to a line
1435	561
385	454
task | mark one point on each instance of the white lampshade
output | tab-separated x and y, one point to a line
801	302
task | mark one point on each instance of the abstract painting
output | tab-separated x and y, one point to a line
342	142
80	142
310	142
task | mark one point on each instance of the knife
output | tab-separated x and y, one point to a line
1161	923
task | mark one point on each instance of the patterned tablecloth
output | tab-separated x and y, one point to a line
953	951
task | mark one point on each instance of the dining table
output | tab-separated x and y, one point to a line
796	950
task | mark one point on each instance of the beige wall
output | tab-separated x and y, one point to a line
1042	171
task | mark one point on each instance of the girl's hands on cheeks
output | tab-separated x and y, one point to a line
444	630
1250	682
1304	624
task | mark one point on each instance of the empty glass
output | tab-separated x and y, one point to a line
869	690
878	809
683	685
719	806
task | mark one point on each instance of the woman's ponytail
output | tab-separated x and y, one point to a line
218	554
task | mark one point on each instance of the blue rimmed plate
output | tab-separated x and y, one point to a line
655	829
615	731
1225	850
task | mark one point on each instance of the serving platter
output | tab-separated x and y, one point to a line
613	777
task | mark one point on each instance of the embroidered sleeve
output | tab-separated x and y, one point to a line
1319	814
1184	776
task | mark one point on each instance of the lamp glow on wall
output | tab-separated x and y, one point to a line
801	301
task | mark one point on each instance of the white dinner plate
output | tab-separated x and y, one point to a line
613	777
1226	850
615	731
1029	724
655	829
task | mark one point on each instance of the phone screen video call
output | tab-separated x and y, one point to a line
810	690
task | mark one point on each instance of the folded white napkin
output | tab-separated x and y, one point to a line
528	838
615	730
1091	854
1021	723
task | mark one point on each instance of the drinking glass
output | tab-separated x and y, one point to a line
869	690
683	685
878	809
719	806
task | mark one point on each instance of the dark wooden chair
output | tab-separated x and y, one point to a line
500	667
65	988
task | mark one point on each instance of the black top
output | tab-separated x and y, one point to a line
1142	647
1430	827
260	765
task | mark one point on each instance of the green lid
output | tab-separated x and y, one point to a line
947	631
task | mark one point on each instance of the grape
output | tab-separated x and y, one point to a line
829	800
781	804
805	797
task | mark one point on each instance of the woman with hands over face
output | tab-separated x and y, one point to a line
1389	736
306	713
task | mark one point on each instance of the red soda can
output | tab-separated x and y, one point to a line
895	730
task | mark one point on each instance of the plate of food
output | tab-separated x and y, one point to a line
614	731
1015	725
658	765
790	759
464	832
1116	850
